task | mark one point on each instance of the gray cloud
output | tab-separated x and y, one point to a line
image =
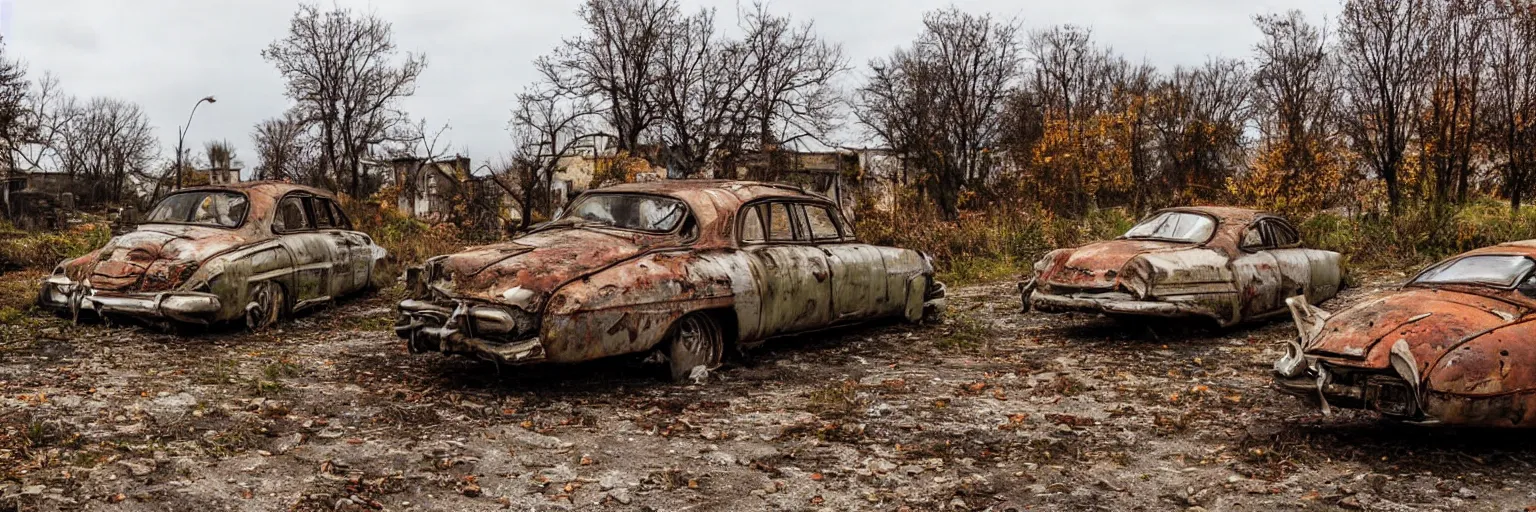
165	54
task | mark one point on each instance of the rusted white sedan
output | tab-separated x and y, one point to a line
684	268
254	252
1228	265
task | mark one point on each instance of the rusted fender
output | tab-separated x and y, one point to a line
631	306
1431	322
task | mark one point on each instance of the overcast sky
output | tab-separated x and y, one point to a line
165	54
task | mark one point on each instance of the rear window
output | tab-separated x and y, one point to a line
1490	270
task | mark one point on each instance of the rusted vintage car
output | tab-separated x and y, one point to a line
1453	345
686	268
254	252
1228	265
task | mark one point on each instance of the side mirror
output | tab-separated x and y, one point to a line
559	212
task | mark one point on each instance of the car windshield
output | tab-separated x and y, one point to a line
633	212
1490	270
209	208
1174	226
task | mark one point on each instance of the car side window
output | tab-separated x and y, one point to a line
780	227
1282	234
322	213
1253	237
338	216
290	216
752	226
823	226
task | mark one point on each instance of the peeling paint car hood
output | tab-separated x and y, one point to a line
143	259
1431	322
525	271
1098	265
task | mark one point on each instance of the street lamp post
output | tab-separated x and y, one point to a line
181	136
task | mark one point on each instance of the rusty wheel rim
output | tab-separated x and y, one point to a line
264	307
697	343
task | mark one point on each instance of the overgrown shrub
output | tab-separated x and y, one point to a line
1002	243
985	245
20	250
408	240
1418	236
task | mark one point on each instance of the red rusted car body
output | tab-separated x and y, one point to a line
686	267
254	251
1453	345
1228	265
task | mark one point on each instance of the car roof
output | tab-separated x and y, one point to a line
270	188
745	191
715	202
1227	214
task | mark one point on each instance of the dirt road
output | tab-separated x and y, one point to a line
992	410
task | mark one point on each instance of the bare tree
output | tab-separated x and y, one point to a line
1385	49
700	95
789	72
615	63
341	70
104	145
14	121
1449	127
1512	97
48	111
940	103
1199	118
285	150
1072	81
546	127
220	154
1296	95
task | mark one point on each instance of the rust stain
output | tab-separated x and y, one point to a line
584	291
1454	353
1212	277
158	270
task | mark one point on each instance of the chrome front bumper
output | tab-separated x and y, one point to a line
1114	303
60	294
429	327
1319	384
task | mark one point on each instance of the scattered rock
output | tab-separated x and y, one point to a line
138	467
286	443
720	458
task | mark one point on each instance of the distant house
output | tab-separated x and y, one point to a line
430	190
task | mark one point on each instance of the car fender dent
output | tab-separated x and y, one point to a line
631	307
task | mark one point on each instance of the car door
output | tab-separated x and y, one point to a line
1257	273
1294	262
858	270
359	246
793	275
342	280
312	251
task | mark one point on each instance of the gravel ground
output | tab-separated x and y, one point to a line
990	410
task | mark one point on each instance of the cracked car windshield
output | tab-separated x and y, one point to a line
223	209
1503	271
628	211
1175	226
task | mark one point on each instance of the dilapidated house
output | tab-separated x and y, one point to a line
432	190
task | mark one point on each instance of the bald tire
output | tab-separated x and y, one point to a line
696	342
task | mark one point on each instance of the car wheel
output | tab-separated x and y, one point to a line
266	306
696	342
